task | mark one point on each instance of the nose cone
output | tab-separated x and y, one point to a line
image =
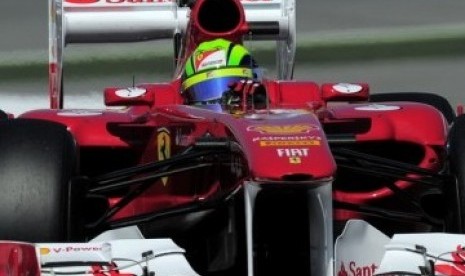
293	147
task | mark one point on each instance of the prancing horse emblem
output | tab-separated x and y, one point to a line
164	148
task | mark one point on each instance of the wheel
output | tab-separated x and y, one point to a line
455	190
435	100
37	161
3	115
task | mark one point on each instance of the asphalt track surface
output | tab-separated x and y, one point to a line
24	36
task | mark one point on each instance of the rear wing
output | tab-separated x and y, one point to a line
104	21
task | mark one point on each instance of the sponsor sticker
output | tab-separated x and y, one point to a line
117	1
295	160
44	251
286	138
289	111
70	249
210	59
377	107
347	88
164	148
283	129
355	270
130	92
293	154
279	141
75	252
78	113
82	1
290	143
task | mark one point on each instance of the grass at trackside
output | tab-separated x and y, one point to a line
377	51
23	71
306	53
90	67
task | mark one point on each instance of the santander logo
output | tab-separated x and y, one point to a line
82	1
118	1
357	270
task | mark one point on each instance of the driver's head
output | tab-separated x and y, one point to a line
211	68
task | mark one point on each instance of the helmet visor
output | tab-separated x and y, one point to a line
207	87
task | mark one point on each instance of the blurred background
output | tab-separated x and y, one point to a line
395	46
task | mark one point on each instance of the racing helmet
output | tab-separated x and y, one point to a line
212	68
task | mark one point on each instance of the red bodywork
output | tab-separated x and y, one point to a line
18	259
266	137
307	117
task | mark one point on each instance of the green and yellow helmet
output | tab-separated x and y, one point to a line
212	67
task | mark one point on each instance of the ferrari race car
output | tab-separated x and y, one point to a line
244	191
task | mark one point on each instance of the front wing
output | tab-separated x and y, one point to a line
363	250
99	257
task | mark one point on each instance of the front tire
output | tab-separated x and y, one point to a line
37	161
455	190
437	101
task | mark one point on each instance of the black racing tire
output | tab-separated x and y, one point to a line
435	100
185	3
37	161
455	189
3	115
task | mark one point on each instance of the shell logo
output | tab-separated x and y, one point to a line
44	251
282	129
82	1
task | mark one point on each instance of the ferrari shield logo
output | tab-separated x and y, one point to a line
210	59
295	160
163	148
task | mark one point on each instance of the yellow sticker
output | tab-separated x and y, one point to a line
295	160
164	148
44	251
283	129
290	143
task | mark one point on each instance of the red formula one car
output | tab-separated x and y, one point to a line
244	190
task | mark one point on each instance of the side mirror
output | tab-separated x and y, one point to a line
345	92
130	96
